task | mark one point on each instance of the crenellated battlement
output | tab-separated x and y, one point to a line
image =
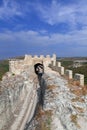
17	66
67	73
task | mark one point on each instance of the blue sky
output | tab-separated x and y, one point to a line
43	27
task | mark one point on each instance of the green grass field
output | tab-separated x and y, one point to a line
4	67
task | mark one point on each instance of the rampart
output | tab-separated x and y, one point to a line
18	90
55	65
18	66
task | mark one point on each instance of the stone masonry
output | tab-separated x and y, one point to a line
18	90
17	66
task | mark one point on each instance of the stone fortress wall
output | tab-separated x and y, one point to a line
67	73
18	90
17	66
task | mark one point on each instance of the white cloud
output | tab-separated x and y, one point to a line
9	9
56	13
36	38
21	42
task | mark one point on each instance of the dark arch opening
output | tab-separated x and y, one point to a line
39	68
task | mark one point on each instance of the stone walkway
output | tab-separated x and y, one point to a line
68	111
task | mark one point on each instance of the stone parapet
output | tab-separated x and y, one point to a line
54	60
53	63
61	70
27	57
56	66
80	78
69	74
17	66
35	56
41	56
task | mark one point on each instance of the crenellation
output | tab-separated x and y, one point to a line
54	60
80	78
54	63
41	56
27	57
54	56
61	70
35	56
17	66
58	64
69	74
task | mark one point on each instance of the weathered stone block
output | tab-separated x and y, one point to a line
69	73
58	64
80	78
60	70
35	56
41	56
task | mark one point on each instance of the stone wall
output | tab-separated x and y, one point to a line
18	91
67	73
18	99
17	66
10	97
